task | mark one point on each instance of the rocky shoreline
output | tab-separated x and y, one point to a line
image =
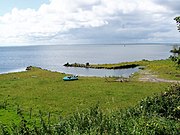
87	65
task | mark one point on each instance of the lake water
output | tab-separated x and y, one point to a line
14	59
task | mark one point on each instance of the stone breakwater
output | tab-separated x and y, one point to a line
87	65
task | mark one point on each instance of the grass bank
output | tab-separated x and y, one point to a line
166	69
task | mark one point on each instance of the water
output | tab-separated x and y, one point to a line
14	59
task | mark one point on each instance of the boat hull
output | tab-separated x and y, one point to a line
70	78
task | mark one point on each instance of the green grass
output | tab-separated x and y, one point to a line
45	90
155	115
166	69
8	116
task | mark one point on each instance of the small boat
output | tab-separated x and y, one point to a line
70	78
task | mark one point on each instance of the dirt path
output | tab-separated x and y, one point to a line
147	76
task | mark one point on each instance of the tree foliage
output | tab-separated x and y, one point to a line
177	19
176	50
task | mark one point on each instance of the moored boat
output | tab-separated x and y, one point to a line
70	78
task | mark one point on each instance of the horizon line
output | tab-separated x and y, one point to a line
135	43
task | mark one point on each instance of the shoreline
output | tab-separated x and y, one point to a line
116	66
14	71
104	66
156	67
112	66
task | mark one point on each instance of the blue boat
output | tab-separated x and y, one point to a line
70	78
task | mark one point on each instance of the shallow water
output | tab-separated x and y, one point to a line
53	57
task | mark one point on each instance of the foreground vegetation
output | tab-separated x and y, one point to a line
39	101
159	114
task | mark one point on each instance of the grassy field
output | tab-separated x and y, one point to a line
166	69
45	90
154	115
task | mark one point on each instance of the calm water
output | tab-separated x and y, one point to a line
53	57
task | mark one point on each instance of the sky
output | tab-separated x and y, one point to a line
40	22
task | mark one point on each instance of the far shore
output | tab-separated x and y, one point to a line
103	66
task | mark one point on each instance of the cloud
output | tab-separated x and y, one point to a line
90	21
172	5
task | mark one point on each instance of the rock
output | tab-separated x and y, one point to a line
29	68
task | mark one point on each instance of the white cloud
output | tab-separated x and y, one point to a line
57	21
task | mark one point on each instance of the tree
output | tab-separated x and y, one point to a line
177	19
176	51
